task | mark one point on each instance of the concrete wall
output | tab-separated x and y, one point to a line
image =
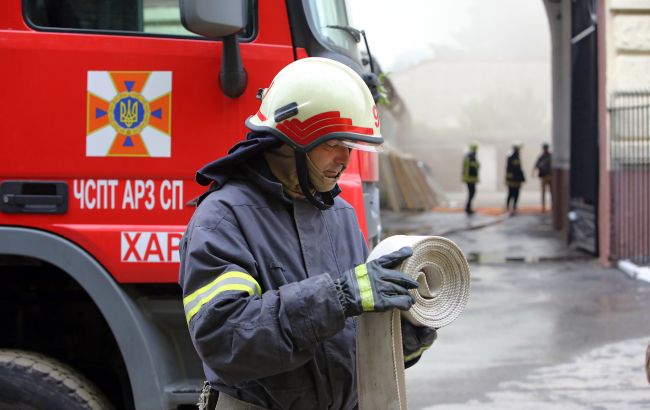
625	44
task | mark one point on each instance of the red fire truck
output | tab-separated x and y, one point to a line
108	108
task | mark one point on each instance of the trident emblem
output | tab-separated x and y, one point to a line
128	113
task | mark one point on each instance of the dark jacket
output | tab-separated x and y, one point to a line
257	272
514	174
543	164
470	168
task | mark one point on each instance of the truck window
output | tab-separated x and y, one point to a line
325	14
156	17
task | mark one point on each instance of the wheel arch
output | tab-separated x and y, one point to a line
140	345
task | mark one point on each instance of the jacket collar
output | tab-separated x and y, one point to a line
246	158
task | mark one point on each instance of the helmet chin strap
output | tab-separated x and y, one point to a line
303	179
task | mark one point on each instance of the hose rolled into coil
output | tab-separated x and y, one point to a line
442	272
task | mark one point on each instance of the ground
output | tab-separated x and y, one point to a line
546	326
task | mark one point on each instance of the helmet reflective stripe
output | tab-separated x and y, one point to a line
321	124
230	281
313	100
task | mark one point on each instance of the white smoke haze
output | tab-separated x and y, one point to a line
466	70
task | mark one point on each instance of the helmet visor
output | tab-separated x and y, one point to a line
360	145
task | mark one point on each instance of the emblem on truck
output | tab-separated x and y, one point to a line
129	113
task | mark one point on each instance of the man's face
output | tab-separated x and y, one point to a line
330	158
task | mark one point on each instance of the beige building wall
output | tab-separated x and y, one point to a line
624	44
628	45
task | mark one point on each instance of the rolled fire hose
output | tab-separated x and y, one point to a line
442	272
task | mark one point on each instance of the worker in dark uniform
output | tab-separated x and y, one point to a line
470	176
543	168
273	264
514	178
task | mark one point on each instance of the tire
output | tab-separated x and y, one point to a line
32	381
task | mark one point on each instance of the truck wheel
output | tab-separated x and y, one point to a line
32	381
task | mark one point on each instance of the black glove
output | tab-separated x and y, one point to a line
375	287
415	340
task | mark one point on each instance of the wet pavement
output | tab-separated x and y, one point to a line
546	327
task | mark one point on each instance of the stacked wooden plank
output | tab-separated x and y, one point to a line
406	184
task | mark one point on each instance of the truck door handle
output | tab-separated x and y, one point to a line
14	199
34	197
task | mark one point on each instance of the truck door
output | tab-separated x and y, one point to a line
125	105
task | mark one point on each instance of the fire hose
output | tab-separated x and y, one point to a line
442	272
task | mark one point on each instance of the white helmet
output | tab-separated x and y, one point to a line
313	100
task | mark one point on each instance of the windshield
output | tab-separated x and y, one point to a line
330	21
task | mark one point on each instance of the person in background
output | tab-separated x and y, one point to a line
514	178
273	262
470	176
543	167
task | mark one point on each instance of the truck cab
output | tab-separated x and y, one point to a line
109	108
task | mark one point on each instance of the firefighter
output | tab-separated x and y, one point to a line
514	178
543	168
272	262
470	176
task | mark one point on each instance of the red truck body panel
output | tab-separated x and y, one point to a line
128	209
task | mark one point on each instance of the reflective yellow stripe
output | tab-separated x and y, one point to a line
416	354
228	275
367	300
220	289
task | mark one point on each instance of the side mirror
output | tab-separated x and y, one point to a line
213	18
220	19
